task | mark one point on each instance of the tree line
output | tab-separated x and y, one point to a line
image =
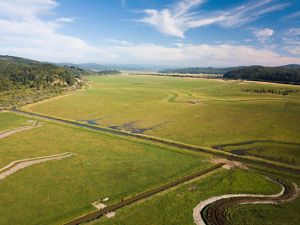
281	91
284	74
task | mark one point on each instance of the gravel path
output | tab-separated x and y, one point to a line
7	133
217	212
15	166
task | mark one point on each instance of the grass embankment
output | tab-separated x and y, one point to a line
194	111
104	166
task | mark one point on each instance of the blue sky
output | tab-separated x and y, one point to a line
166	32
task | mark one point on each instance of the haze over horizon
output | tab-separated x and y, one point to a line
173	33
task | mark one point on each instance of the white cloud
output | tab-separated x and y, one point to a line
263	35
201	55
27	35
295	50
29	9
179	18
291	16
64	20
292	41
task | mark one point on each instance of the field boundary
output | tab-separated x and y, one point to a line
220	153
125	202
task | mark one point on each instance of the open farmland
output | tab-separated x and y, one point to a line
205	112
9	121
72	166
175	207
100	166
171	112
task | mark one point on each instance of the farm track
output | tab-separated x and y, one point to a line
15	166
165	142
213	210
7	133
97	214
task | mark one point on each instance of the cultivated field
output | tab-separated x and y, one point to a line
206	112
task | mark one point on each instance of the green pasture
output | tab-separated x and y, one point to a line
103	166
278	151
205	112
176	206
9	121
287	214
268	214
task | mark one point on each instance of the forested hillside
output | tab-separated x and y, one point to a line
282	74
23	80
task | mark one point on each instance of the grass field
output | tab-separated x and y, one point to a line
103	166
10	121
195	111
206	112
175	207
287	213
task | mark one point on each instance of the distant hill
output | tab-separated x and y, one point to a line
107	67
199	70
109	72
281	74
23	79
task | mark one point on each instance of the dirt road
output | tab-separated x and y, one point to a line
7	133
15	166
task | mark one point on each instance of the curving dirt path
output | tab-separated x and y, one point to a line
216	206
7	133
15	166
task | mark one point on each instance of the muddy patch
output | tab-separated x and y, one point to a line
110	214
193	102
133	128
239	152
228	164
99	205
96	120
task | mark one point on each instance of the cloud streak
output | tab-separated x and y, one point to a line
181	17
26	34
263	35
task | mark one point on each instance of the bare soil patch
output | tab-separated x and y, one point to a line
228	164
